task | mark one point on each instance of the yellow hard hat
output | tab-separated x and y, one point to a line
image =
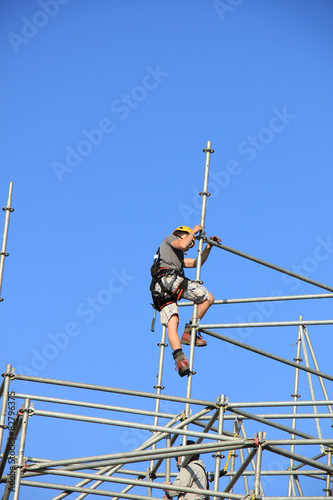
185	229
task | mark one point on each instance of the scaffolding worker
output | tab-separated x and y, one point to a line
193	475
169	285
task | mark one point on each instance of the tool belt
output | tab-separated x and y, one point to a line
164	297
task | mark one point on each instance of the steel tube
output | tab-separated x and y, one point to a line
97	406
200	439
13	433
258	467
20	455
204	194
314	359
184	423
118	480
241	452
299	458
127	457
278	472
8	489
295	395
294	498
311	388
272	404
264	353
109	470
220	433
126	392
104	461
5	390
132	482
125	495
328	489
272	424
268	264
167	461
158	385
266	324
3	254
281	416
302	442
122	423
278	298
240	471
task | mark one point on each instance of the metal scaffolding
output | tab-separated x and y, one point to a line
242	466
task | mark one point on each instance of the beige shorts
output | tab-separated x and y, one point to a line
195	292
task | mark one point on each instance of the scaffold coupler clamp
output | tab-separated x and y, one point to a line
238	424
208	150
11	374
259	438
222	402
8	208
29	410
251	496
24	467
184	416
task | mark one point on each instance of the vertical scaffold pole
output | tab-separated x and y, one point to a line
168	461
316	365
8	209
313	397
204	194
26	410
258	467
5	388
328	490
295	396
221	405
159	387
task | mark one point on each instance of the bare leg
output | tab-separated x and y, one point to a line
204	306
173	337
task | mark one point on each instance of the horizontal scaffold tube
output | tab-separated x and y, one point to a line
271	298
134	425
268	422
97	406
268	264
301	442
267	354
299	458
106	493
280	416
321	322
115	390
136	456
119	480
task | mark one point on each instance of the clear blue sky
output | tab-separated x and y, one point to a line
106	107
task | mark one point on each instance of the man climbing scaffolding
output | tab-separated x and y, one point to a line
192	475
170	285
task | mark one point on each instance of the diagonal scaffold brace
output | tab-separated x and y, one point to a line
3	254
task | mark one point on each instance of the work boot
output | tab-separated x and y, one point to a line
186	338
181	363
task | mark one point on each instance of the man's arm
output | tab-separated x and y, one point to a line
188	262
184	243
183	479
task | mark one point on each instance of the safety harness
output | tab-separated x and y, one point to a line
164	297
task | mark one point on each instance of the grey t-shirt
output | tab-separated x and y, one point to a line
192	475
171	257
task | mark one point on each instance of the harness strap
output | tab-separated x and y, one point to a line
169	297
